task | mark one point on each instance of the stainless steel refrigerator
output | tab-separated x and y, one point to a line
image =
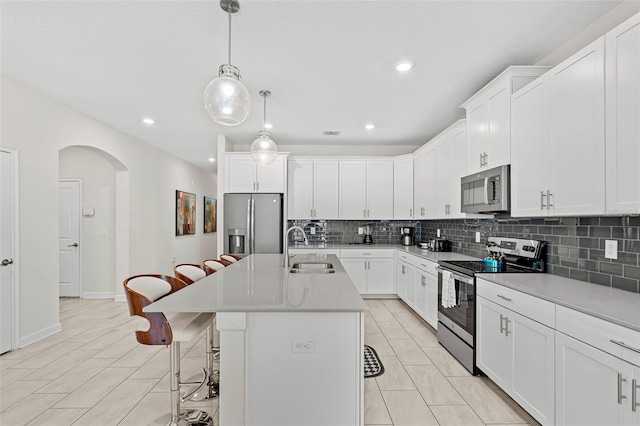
253	223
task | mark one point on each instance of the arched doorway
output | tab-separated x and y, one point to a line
105	219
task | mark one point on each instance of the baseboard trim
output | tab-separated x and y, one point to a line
98	295
39	335
120	298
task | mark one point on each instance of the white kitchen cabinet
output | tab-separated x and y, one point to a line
403	187
419	280
370	270
424	188
243	174
401	280
449	170
558	139
488	118
313	189
366	189
622	117
597	371
517	351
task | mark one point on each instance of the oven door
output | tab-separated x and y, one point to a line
459	318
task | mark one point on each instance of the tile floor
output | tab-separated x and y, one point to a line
95	373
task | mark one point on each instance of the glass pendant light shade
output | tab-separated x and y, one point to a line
264	150
226	99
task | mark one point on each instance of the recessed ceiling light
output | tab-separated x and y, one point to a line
268	126
370	126
404	66
212	160
148	120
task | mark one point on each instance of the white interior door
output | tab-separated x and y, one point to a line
69	239
6	252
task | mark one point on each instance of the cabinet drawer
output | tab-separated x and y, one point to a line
599	333
423	264
532	307
352	253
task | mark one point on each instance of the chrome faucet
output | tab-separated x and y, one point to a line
287	258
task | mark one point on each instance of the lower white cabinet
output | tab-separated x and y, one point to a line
593	387
370	270
515	351
418	286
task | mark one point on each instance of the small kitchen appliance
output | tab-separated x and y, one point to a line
368	237
407	235
457	290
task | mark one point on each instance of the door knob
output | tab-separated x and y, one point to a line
73	245
6	262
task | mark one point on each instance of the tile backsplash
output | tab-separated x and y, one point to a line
575	245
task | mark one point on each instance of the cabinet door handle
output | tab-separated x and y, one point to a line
549	194
502	328
620	395
508	299
423	281
481	160
410	212
403	270
486	158
624	345
542	195
257	185
634	392
254	185
422	211
506	326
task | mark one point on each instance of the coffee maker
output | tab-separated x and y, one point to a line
407	235
368	237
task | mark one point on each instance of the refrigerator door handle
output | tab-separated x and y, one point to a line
249	235
253	226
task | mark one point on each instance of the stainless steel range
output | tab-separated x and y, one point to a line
457	290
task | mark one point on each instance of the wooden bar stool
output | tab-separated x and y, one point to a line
229	257
142	290
212	265
190	273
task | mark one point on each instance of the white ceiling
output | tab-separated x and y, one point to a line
328	64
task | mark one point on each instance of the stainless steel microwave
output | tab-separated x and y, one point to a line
486	192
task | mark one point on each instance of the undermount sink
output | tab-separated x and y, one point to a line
312	268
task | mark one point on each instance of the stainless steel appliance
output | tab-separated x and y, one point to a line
486	192
407	235
259	217
457	294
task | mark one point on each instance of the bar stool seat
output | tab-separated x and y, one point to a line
141	291
189	272
212	265
232	258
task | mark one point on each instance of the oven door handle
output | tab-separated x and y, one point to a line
466	280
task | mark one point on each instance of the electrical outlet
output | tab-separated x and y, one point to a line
360	231
438	233
303	346
477	237
312	230
611	249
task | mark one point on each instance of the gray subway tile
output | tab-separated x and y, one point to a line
625	284
632	272
597	278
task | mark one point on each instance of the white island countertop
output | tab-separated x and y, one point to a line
259	283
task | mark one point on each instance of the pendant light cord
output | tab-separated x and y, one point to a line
229	13
264	122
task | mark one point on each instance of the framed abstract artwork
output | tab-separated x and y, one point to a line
210	215
185	213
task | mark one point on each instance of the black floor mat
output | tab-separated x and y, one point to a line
372	365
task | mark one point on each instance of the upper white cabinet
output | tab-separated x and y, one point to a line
558	144
313	188
243	174
623	118
437	173
366	189
403	187
488	115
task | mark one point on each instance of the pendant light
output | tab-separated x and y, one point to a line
226	99
264	150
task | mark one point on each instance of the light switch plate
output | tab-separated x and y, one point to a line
611	249
438	233
312	230
477	237
360	231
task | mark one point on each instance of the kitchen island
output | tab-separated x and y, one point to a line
291	343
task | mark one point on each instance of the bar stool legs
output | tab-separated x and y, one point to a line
185	418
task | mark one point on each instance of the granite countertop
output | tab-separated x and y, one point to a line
259	283
610	304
